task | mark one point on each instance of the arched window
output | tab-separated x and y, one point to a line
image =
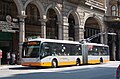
7	7
113	10
32	12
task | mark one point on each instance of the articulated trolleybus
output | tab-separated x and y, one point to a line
54	53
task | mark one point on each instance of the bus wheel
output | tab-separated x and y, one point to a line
78	62
101	60
54	63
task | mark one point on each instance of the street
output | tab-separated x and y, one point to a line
98	71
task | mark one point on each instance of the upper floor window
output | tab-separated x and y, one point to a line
7	7
32	12
113	10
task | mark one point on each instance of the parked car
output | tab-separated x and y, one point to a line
118	72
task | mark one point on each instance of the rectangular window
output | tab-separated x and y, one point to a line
97	50
31	49
114	10
59	49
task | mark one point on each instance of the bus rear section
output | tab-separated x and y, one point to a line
96	53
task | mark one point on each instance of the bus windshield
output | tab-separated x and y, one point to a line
31	49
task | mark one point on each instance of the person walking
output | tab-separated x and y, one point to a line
8	57
13	58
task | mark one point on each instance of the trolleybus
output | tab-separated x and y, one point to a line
54	53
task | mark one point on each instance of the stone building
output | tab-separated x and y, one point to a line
112	21
54	19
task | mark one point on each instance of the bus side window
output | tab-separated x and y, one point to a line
54	52
56	49
63	50
59	47
45	51
78	50
104	51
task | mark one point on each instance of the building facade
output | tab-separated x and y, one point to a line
112	20
54	19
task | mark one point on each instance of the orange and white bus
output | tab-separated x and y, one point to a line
54	53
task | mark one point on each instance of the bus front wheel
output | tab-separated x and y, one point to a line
54	63
78	62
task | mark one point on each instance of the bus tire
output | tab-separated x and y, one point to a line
54	63
78	62
101	60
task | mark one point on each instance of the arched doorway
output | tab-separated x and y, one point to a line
33	25
91	28
52	26
9	36
71	29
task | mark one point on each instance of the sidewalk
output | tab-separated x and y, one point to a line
8	66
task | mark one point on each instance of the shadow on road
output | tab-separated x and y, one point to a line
35	68
87	73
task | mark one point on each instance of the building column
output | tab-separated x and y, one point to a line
105	40
77	37
60	31
22	30
65	28
21	33
79	33
114	48
101	38
43	28
118	46
104	36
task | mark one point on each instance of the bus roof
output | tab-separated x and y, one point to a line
54	40
96	44
64	41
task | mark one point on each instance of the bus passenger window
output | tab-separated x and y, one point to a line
78	50
45	50
54	53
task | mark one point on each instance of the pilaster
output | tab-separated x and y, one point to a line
79	33
60	30
43	27
65	28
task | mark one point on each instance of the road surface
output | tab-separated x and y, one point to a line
98	71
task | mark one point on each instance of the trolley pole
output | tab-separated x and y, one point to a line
95	36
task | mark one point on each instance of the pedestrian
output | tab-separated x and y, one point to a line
13	58
16	56
8	57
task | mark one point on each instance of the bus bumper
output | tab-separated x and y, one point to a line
46	64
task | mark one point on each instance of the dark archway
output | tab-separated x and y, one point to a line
52	26
91	28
